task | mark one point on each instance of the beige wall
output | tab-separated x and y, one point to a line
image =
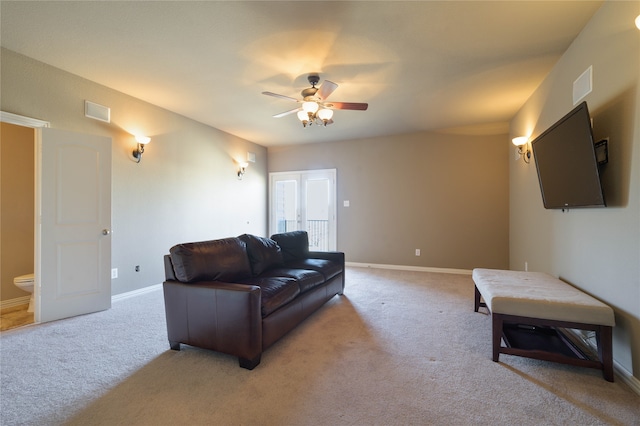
444	194
597	250
17	210
184	189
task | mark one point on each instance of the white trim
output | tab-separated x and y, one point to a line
626	376
20	120
134	293
24	300
410	268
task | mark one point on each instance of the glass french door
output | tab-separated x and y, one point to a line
304	200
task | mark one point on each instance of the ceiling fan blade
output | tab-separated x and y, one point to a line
275	95
348	105
282	114
326	89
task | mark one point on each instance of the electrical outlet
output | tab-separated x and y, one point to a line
114	273
417	252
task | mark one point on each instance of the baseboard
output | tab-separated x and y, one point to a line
626	376
134	293
24	300
410	268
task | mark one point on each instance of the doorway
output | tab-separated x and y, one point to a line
17	215
305	200
72	247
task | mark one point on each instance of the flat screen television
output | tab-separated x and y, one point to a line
565	157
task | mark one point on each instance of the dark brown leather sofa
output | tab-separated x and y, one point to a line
240	295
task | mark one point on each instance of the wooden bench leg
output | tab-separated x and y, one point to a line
605	351
496	338
477	303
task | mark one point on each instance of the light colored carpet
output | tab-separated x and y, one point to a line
399	348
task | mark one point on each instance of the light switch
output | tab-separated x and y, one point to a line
346	203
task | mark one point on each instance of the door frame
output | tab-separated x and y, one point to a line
36	124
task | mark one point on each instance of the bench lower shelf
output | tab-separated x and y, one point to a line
548	339
500	322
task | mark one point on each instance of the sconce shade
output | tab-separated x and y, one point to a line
520	140
143	139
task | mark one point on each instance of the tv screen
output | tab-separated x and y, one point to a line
566	162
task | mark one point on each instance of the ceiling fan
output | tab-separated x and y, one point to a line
315	108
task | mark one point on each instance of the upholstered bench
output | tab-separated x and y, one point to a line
535	299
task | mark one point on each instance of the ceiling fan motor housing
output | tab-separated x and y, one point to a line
311	91
313	79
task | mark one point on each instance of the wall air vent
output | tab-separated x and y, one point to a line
97	112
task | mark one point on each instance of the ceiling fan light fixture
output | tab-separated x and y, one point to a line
310	107
325	114
303	117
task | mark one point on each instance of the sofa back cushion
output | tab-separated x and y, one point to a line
217	260
264	253
294	245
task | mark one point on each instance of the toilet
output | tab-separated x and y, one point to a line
25	282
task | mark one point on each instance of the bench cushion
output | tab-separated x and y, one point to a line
539	295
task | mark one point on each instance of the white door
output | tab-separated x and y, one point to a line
73	224
305	200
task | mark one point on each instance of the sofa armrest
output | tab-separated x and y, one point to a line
223	317
334	256
168	268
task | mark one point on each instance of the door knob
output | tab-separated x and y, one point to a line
106	231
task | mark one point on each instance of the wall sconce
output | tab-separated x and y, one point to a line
522	142
242	167
142	141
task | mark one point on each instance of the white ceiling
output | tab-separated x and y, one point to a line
421	65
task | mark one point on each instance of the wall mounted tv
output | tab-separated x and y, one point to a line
566	162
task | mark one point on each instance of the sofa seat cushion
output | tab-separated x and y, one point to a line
264	253
306	278
276	291
217	260
327	268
